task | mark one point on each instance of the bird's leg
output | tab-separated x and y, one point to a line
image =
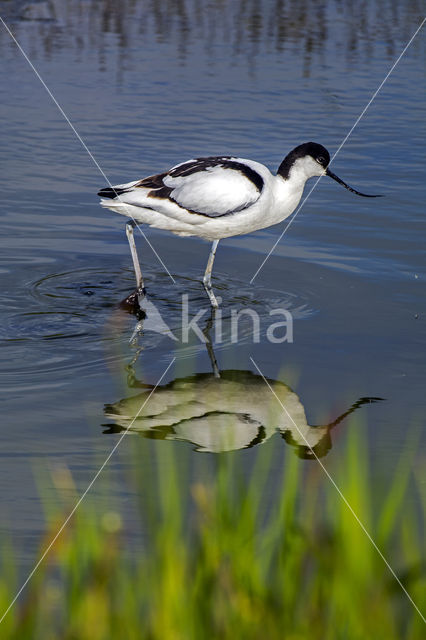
207	280
209	344
138	273
132	303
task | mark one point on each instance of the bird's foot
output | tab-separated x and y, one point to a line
132	304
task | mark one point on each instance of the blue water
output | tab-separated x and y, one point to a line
147	85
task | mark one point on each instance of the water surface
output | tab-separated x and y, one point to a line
150	84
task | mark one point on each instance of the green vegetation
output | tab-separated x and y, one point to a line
231	554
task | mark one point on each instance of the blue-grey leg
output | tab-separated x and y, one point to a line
138	273
209	344
207	280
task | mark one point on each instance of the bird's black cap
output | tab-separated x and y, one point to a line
313	149
321	155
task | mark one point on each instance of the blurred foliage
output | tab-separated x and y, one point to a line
233	555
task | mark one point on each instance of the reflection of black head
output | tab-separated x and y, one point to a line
324	445
308	453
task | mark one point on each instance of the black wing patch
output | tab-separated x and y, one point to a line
152	182
159	189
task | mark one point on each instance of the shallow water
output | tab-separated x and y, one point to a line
150	84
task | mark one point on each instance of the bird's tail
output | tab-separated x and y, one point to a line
112	192
117	190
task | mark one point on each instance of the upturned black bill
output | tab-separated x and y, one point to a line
330	174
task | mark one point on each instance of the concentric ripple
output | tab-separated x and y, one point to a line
76	315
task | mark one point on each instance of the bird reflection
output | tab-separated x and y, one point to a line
222	411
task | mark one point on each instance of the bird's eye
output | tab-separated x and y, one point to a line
321	159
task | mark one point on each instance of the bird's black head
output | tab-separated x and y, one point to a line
312	149
319	154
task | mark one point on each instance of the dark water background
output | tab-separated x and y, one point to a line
150	84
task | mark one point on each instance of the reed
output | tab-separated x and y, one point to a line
231	553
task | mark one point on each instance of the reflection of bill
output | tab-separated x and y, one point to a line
230	412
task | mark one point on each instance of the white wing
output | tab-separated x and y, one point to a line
211	187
